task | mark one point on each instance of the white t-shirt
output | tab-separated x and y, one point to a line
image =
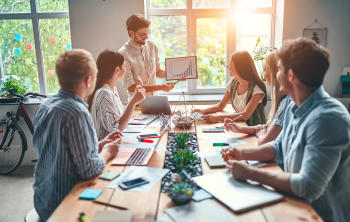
106	110
239	103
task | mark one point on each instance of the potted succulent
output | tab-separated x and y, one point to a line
182	121
183	157
181	140
8	82
180	193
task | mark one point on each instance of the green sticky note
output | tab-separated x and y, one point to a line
109	175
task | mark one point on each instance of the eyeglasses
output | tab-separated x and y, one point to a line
142	34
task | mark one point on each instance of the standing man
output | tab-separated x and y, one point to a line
141	59
64	135
314	144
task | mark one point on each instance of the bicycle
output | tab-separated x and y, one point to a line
13	140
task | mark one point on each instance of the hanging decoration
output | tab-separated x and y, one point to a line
317	32
18	37
29	46
69	46
53	41
213	51
18	51
50	72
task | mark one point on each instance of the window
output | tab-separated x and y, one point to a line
211	30
33	33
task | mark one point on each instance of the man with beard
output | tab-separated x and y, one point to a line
141	59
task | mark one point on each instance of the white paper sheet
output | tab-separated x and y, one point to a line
152	174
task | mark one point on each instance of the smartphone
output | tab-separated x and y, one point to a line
151	135
133	183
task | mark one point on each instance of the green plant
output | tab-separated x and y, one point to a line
13	81
182	157
259	54
181	140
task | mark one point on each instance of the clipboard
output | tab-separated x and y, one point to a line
181	68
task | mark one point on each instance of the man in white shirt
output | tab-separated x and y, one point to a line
141	59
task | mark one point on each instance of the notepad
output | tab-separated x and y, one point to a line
215	161
90	194
213	130
109	175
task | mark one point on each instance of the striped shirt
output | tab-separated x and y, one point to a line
106	110
66	144
141	65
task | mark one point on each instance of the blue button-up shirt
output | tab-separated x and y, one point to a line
314	147
67	147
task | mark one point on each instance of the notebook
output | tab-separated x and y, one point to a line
215	161
236	195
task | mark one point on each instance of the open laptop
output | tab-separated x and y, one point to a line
136	156
155	105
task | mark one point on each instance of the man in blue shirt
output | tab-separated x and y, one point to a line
64	134
314	144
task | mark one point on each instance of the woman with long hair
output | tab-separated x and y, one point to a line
107	111
273	127
246	91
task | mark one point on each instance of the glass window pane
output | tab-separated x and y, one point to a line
18	51
55	38
14	6
250	27
211	3
168	4
211	52
169	34
52	5
254	3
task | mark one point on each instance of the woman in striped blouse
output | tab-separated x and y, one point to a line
107	111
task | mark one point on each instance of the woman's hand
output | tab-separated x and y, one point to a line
139	95
201	111
212	118
230	125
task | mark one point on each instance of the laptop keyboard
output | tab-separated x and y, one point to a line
138	156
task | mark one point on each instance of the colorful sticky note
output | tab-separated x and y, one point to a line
215	70
18	51
52	40
206	41
180	38
28	61
69	46
18	37
50	72
213	51
90	194
29	46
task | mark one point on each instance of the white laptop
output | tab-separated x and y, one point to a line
155	105
238	196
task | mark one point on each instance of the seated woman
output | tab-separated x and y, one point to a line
273	127
106	109
246	91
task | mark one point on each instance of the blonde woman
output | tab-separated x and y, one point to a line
273	127
246	92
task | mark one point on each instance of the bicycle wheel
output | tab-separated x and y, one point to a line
12	153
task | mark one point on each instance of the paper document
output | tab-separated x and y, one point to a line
181	68
224	138
142	119
130	138
152	174
134	129
235	194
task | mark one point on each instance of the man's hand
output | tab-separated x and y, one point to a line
109	138
230	125
239	170
166	87
212	118
231	153
111	149
139	95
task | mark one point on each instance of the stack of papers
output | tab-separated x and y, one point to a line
142	119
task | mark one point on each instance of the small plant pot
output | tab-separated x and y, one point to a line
180	198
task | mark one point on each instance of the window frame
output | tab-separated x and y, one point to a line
192	14
35	17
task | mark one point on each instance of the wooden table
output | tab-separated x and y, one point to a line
150	206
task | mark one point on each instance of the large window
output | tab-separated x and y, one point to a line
211	30
32	35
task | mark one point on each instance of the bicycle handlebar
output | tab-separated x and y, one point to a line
30	94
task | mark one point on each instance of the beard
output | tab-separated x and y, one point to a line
140	41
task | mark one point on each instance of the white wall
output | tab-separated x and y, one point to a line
100	24
333	14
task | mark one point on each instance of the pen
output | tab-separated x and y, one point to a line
146	141
140	119
83	217
221	144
